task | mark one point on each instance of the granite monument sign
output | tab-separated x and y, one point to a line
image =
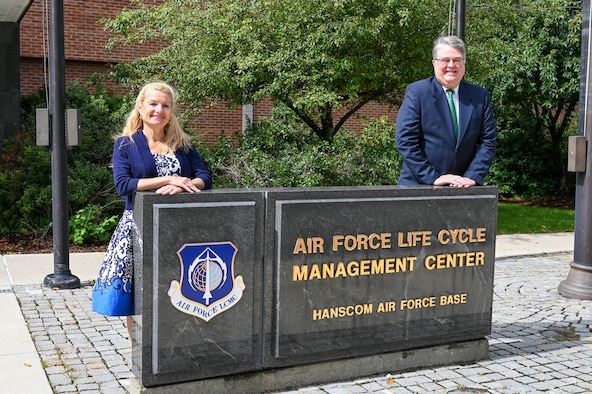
247	284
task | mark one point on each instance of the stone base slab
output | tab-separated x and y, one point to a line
327	372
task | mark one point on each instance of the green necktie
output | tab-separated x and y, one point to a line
453	111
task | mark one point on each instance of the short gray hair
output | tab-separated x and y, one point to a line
451	41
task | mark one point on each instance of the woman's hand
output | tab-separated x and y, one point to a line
178	184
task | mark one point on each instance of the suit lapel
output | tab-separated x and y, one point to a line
465	103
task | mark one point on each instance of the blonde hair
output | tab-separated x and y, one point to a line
175	137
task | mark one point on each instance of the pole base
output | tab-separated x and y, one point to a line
578	283
61	281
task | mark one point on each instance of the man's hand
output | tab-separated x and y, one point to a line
454	181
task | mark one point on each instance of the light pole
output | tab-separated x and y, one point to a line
62	278
579	279
460	19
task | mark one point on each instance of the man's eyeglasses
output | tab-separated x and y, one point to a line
456	61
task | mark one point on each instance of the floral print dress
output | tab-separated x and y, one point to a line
113	293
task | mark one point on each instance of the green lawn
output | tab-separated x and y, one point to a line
524	219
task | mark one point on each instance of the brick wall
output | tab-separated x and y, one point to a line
84	37
34	77
84	45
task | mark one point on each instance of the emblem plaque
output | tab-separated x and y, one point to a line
207	286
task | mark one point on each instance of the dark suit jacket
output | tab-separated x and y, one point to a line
425	136
132	160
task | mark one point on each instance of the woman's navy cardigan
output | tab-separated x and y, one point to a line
132	161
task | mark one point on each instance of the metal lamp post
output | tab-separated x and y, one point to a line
579	279
62	278
460	19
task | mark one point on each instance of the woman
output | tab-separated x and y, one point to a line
152	153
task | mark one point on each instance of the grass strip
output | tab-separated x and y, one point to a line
526	219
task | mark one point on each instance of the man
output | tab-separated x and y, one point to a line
433	152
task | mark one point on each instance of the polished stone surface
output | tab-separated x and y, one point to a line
367	270
181	336
234	281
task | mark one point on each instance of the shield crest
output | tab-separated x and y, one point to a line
207	286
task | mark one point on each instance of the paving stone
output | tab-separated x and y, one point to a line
66	389
84	387
59	379
540	341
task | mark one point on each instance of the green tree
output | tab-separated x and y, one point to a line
322	59
528	53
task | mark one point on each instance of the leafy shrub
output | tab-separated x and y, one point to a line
375	157
25	168
523	169
88	224
25	186
280	153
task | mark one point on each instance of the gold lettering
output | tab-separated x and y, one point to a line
337	241
342	311
388	306
317	245
418	303
350	242
317	314
365	267
453	299
354	268
311	245
414	238
454	260
362	242
379	266
300	246
328	270
480	234
340	270
462	235
299	273
315	272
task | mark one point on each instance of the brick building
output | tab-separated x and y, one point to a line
85	53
